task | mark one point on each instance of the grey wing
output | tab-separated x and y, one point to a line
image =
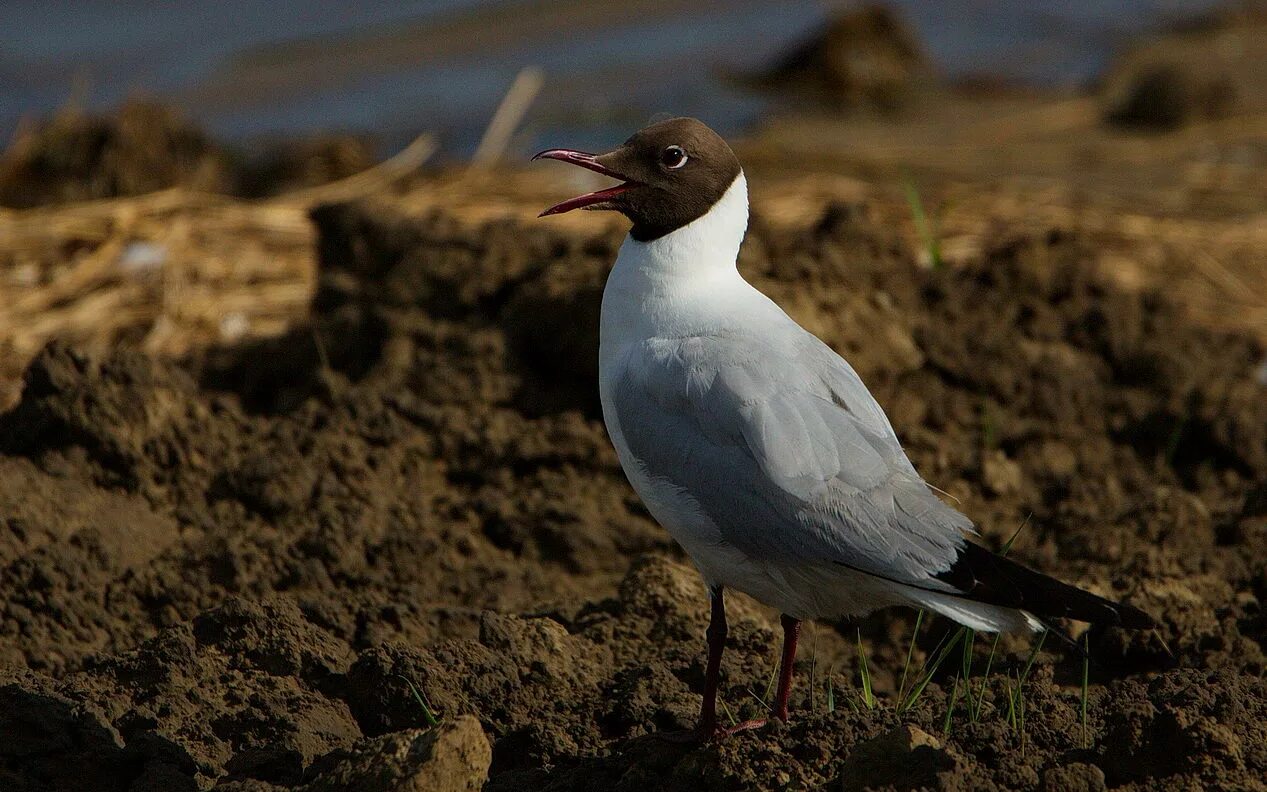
787	453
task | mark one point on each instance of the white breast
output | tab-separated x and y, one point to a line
681	284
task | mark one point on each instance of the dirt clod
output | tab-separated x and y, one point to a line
905	758
451	757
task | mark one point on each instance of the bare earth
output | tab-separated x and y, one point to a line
240	531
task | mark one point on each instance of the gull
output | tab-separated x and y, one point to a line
755	445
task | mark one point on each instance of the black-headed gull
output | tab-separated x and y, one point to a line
758	447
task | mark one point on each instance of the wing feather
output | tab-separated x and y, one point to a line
786	452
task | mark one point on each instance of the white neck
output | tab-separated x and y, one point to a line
678	283
709	242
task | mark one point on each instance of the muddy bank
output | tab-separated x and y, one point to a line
230	571
861	58
144	146
1206	68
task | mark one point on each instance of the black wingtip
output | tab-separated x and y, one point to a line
986	577
1065	638
1132	618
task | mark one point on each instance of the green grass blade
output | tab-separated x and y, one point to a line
910	649
989	428
1011	701
975	714
428	714
969	643
1033	655
769	685
927	235
1020	712
1086	673
813	663
868	697
950	709
930	670
1016	696
729	715
760	701
1012	539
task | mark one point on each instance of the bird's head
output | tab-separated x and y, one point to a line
670	173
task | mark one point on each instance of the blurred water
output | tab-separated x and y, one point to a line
246	68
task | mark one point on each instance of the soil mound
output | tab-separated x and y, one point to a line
78	156
146	146
862	58
1205	69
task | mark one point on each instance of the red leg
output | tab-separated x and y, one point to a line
712	674
791	631
707	728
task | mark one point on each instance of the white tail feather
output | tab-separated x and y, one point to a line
976	615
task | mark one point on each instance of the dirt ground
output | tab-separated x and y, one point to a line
371	534
235	570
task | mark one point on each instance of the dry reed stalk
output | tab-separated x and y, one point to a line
506	119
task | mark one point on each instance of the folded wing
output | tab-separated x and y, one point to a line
787	453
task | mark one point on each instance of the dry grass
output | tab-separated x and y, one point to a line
172	272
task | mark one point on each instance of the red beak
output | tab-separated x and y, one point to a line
589	162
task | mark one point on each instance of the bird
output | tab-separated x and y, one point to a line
755	445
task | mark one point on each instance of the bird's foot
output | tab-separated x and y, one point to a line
706	733
743	726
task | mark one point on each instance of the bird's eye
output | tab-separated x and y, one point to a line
673	157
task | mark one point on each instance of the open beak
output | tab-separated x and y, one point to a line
589	162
